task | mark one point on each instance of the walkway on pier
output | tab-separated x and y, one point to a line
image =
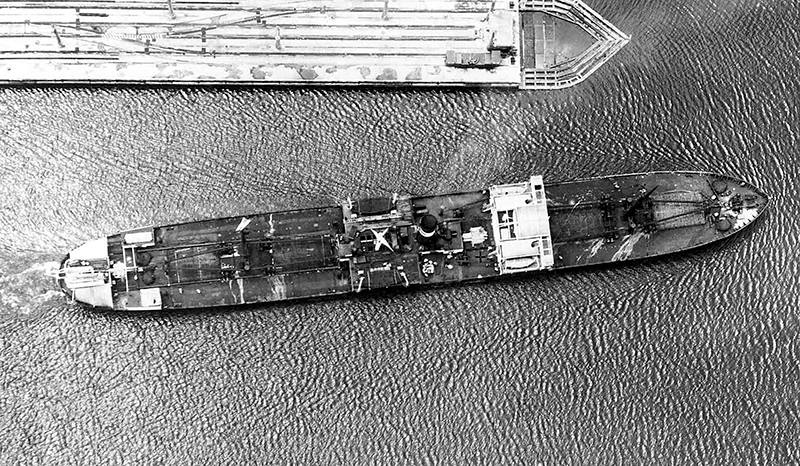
535	44
563	42
246	41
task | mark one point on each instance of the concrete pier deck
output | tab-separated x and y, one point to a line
340	42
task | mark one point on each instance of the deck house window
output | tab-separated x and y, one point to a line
538	191
546	249
505	218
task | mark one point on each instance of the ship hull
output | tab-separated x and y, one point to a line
408	241
679	223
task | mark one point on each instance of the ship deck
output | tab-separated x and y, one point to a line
298	254
275	256
383	243
630	217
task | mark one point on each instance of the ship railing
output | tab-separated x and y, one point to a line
609	40
572	72
578	12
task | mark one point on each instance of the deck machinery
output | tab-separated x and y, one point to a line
531	44
404	241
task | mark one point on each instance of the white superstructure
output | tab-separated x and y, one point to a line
521	226
85	273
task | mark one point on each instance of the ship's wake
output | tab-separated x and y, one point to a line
27	292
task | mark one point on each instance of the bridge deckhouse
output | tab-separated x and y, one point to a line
521	226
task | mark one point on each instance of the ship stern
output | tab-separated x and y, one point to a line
84	274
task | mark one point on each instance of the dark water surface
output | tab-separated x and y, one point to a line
690	359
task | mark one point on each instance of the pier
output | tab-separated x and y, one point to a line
544	44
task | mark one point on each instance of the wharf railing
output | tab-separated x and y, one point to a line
608	41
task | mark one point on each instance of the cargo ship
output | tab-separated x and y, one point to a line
529	44
408	241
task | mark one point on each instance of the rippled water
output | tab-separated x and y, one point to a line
687	359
